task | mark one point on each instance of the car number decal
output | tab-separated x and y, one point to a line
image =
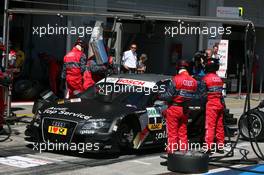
154	119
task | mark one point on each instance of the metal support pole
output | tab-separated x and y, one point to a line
7	43
4	31
240	84
8	91
251	86
260	86
5	21
261	79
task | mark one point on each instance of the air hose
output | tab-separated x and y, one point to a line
249	46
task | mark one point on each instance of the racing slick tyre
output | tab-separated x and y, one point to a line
125	136
5	133
254	120
189	162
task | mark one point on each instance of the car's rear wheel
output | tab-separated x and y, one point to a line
255	121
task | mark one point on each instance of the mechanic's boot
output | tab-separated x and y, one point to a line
223	150
164	156
220	151
165	163
206	151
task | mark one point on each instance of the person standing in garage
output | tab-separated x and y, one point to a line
214	106
130	59
181	90
74	67
215	52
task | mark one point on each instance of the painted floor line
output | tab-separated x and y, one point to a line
44	158
141	162
27	115
217	170
14	104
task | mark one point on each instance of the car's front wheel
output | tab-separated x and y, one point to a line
126	135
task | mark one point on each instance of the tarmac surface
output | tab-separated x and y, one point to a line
17	157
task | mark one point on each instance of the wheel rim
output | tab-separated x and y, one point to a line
126	136
255	123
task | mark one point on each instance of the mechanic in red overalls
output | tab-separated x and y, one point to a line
91	74
215	105
181	90
74	67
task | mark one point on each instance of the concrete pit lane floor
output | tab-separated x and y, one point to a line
17	157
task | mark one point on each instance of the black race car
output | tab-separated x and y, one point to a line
124	112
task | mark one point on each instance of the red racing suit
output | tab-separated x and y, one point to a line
73	68
176	119
214	110
92	69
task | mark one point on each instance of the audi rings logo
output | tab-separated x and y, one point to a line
216	79
58	123
188	83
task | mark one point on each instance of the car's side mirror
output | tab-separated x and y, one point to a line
159	103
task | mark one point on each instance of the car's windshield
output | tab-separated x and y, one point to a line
128	94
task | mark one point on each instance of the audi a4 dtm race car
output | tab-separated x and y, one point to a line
123	113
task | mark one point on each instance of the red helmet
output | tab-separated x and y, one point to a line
182	64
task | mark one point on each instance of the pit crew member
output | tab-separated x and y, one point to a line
182	88
74	67
214	106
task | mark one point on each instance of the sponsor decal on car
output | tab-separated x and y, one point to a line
57	130
161	135
73	100
147	84
126	81
155	121
108	80
64	112
86	131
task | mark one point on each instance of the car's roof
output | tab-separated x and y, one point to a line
143	77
